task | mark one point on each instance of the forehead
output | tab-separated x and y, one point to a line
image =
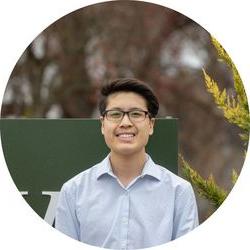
126	100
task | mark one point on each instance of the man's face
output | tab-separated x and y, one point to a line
126	137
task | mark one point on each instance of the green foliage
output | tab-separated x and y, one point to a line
238	85
235	108
207	189
234	176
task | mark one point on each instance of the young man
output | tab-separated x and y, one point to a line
126	201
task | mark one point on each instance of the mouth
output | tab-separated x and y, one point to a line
125	136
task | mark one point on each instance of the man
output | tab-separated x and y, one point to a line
126	201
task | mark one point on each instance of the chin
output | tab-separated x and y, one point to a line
126	151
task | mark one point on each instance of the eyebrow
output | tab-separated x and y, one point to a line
130	109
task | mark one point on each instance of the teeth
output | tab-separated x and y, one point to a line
126	135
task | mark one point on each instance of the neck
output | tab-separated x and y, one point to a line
125	167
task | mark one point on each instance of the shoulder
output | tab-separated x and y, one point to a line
181	189
179	185
81	180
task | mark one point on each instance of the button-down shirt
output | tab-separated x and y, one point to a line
156	207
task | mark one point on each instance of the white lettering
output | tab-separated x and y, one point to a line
24	193
51	210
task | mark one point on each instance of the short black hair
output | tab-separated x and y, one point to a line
129	85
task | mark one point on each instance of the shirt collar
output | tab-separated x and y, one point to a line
104	168
149	169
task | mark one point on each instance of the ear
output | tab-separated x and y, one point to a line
102	124
151	124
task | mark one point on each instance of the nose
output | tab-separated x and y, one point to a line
126	121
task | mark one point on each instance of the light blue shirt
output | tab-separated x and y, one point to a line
156	207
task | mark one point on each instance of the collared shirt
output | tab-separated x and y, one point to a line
156	207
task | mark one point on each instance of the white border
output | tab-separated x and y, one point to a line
21	22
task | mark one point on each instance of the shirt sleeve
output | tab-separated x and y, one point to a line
66	220
186	214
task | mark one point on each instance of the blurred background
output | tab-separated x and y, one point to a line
60	74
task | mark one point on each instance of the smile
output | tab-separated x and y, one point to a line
125	135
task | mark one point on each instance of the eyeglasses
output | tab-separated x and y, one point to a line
136	115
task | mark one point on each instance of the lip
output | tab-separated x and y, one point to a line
125	136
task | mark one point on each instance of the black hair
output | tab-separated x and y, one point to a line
129	85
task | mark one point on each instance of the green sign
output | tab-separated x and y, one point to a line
42	154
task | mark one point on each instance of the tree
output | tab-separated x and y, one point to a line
235	110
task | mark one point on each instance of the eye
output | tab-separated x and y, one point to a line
137	114
114	114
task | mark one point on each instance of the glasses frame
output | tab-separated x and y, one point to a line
147	113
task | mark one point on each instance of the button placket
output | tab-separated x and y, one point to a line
124	221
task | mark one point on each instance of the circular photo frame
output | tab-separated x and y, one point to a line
58	78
